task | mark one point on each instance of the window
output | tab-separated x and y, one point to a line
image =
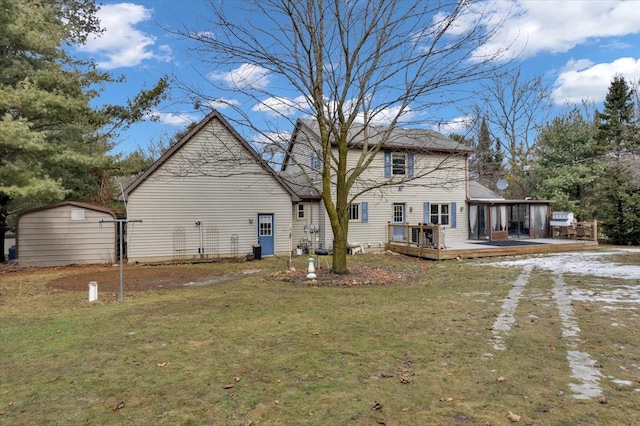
439	214
354	211
398	163
77	214
300	211
315	161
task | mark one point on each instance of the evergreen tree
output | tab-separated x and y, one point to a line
53	144
486	162
618	143
566	166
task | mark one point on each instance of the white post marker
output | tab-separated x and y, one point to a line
93	291
312	270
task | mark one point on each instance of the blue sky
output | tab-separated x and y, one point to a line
578	46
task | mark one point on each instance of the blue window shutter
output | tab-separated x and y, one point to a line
410	157
364	206
313	161
425	213
453	214
387	164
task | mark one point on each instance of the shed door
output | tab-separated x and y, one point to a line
265	233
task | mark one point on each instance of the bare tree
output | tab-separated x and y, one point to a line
514	108
348	66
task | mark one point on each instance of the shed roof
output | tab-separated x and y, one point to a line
78	204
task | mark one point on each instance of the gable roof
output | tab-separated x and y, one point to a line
400	138
214	115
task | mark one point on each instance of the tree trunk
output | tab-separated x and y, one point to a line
339	251
4	209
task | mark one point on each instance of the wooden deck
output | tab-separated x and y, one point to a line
473	249
427	241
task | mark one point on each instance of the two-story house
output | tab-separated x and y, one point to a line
413	176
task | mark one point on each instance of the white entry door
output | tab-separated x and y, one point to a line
398	219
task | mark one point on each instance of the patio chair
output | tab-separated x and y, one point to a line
354	248
568	232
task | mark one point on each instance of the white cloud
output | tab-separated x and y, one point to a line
459	125
222	103
277	106
583	80
173	119
122	44
245	77
532	27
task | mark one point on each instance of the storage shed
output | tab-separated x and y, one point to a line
66	233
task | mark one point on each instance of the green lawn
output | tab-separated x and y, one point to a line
258	351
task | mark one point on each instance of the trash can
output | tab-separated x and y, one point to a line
257	252
12	253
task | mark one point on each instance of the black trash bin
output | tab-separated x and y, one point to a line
257	252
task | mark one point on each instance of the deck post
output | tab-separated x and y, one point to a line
594	230
407	234
389	231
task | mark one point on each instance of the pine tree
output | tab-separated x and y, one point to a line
486	162
618	143
53	143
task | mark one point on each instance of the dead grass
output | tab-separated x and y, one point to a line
255	350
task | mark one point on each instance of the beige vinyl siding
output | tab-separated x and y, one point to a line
313	216
48	237
445	183
226	195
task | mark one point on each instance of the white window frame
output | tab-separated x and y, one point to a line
354	212
399	169
437	212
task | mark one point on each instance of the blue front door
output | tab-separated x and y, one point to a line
265	233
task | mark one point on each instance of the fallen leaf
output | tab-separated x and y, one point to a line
602	399
118	406
237	379
376	406
513	417
276	402
228	386
501	379
319	375
552	348
248	423
446	399
162	364
382	422
405	380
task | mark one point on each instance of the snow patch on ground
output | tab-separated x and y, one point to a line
581	263
506	319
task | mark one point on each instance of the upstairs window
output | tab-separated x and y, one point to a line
315	161
398	164
300	211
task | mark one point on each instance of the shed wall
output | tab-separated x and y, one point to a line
49	237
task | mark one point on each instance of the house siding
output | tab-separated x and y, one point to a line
446	184
49	237
225	196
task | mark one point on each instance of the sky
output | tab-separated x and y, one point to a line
576	46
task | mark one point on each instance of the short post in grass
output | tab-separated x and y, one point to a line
93	291
312	270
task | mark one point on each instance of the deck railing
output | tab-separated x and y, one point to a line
421	235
